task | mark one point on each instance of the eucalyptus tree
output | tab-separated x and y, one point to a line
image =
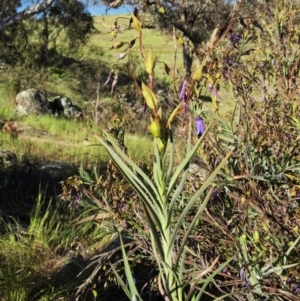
9	14
193	22
31	28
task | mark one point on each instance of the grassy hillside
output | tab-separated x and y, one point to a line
38	134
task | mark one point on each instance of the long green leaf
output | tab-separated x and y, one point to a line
129	173
130	280
194	199
196	217
210	278
154	232
158	259
121	282
287	253
171	156
180	186
185	162
280	269
232	117
136	184
134	167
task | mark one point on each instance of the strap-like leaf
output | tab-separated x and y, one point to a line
134	167
185	162
121	282
192	224
210	278
184	175
136	183
195	198
130	280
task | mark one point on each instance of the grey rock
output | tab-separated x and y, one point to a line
63	106
58	170
32	101
197	171
73	112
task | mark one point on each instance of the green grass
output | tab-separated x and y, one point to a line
34	264
154	38
139	146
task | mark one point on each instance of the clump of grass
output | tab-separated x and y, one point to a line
40	259
139	146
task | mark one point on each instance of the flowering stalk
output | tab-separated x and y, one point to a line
160	196
159	199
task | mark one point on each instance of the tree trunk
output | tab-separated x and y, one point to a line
187	57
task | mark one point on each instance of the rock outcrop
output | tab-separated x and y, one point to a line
64	106
32	101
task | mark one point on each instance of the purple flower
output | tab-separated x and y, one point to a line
215	194
214	92
230	62
182	90
75	203
244	277
200	128
281	177
227	74
234	39
122	206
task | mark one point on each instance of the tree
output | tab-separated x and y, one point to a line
44	41
14	16
54	16
193	22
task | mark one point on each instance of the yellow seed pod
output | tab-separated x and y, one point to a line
160	146
256	236
150	62
173	114
215	103
295	107
159	113
154	127
149	96
180	41
198	73
117	45
209	79
136	23
296	230
243	239
218	75
161	9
